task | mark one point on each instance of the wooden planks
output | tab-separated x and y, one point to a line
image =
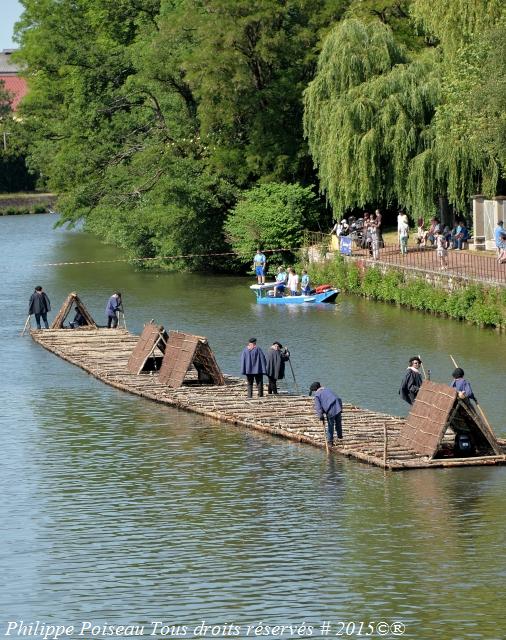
105	353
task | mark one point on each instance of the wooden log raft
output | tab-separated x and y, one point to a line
104	353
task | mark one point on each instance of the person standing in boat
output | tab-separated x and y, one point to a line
328	405
412	381
112	310
305	283
253	366
259	263
275	367
293	282
39	306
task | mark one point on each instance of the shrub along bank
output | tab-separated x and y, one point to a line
475	303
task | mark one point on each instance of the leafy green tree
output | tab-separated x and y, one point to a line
271	216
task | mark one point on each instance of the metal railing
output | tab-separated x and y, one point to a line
457	263
470	265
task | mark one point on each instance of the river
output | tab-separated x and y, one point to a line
118	511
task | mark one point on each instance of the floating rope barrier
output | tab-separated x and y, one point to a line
173	257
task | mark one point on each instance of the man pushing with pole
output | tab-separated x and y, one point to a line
326	403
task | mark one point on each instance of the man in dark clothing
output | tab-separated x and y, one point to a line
39	306
112	309
326	403
78	321
275	369
253	366
412	381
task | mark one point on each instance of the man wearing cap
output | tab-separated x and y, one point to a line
253	366
326	403
412	381
463	387
275	369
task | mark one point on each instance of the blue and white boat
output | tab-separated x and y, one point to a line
265	295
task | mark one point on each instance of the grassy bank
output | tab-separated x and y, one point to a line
480	305
23	203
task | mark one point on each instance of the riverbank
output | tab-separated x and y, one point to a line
26	203
476	303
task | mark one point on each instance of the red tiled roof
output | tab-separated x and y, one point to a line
16	86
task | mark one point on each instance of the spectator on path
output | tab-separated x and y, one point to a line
293	282
412	381
112	310
259	263
421	233
328	405
379	220
442	251
253	366
375	241
305	283
462	386
403	231
39	306
500	241
433	229
461	235
275	366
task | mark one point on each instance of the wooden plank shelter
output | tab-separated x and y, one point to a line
61	316
183	351
153	338
437	409
104	353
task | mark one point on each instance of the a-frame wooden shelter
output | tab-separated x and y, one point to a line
184	350
61	316
436	409
144	357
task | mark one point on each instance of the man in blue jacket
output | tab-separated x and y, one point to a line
326	403
112	309
253	366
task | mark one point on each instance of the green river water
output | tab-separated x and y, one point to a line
118	511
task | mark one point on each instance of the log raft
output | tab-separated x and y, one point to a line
104	354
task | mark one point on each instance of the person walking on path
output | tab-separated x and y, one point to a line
112	310
39	306
328	405
412	381
275	367
259	262
500	241
253	366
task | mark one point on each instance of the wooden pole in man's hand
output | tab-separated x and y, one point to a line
26	324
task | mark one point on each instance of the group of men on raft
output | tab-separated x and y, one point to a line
328	406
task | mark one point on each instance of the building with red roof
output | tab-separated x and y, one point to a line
9	75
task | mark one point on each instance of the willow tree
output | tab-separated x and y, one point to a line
470	125
368	119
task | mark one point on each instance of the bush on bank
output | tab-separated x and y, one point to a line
480	305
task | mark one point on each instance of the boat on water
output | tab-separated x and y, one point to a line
266	295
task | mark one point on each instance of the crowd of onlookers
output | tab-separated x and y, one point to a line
366	234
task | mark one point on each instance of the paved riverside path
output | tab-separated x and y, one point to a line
104	354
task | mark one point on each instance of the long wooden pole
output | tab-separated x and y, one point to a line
325	435
26	324
385	445
293	375
423	370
